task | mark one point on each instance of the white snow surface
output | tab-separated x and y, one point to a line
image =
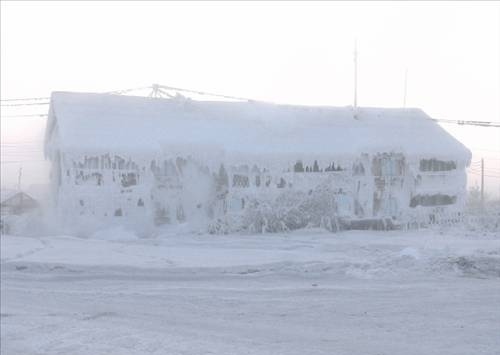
89	122
309	292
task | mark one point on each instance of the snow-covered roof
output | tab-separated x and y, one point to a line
89	122
6	194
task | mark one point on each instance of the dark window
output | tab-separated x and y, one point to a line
257	180
437	165
432	200
240	181
315	167
298	167
129	179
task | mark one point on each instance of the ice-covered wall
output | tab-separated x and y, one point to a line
381	190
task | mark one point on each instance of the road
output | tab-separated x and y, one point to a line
353	293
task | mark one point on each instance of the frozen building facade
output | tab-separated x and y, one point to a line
248	166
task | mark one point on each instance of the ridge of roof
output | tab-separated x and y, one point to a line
96	121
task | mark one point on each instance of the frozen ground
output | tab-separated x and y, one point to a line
423	292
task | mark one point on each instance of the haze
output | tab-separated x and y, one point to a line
300	53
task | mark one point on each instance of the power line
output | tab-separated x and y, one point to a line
23	142
478	167
120	92
157	92
14	151
202	93
490	171
48	98
26	104
468	123
29	115
486	150
487	170
491	176
22	161
26	99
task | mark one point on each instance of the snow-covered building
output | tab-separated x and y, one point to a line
15	202
223	166
13	205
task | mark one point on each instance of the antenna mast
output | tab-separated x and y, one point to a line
355	76
406	84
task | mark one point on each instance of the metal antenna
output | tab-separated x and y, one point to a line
355	74
355	106
406	85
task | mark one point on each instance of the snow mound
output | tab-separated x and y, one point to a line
479	265
410	252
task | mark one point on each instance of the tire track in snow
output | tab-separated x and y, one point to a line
21	256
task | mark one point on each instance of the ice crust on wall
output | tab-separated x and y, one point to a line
247	166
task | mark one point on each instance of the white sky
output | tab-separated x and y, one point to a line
283	52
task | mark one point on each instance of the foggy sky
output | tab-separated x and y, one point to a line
299	53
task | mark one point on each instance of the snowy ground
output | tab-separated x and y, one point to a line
420	292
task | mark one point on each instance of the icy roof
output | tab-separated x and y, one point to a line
7	194
88	122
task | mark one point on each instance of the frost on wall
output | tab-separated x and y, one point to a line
379	191
311	195
373	191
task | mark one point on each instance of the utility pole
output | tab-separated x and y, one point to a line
482	184
406	84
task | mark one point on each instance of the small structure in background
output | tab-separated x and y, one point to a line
14	203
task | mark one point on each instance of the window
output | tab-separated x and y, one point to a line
437	165
240	181
432	200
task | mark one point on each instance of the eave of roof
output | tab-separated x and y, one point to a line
112	123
